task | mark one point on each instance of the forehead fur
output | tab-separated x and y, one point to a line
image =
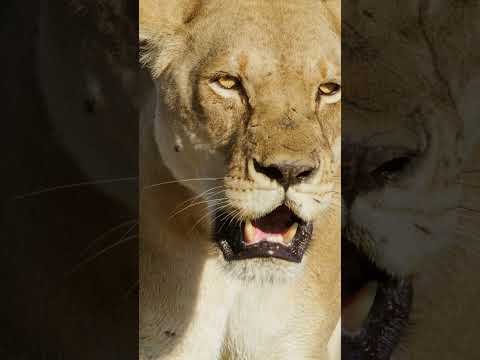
169	28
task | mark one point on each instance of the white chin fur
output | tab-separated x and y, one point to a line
262	271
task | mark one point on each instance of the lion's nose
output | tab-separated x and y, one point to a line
285	173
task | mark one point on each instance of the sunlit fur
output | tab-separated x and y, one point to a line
206	137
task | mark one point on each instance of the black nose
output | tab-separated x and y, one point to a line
285	173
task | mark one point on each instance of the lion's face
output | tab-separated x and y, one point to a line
237	102
401	163
398	156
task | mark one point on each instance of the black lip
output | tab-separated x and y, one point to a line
389	316
229	237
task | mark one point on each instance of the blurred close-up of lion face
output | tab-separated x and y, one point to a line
405	137
252	97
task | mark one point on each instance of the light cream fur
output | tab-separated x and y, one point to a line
194	304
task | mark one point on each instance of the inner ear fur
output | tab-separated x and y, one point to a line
162	31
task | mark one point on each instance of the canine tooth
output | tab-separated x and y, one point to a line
249	233
355	313
290	234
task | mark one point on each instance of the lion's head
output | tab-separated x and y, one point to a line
405	132
249	93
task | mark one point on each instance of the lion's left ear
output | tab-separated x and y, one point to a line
162	31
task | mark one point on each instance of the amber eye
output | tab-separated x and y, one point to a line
328	89
228	82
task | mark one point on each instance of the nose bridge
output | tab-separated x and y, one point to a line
286	135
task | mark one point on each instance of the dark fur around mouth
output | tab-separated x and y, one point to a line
389	315
229	236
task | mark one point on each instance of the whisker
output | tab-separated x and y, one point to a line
209	194
198	222
224	216
205	216
71	186
233	216
95	256
229	215
220	206
179	181
211	202
129	231
193	198
240	218
103	235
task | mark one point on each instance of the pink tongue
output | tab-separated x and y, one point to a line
276	223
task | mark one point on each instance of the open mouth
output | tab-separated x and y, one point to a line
375	307
280	234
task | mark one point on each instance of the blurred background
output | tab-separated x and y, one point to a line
69	169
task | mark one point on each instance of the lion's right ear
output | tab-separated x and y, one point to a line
162	31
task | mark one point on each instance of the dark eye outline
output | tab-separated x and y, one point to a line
391	169
336	89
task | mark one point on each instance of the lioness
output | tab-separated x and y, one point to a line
444	309
409	124
244	115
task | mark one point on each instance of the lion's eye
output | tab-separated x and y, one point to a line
392	168
328	89
228	82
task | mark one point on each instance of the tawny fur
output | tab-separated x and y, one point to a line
193	304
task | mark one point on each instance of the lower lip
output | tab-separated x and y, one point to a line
230	239
385	324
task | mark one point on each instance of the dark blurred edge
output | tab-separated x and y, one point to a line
410	61
66	292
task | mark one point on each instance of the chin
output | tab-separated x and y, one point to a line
262	271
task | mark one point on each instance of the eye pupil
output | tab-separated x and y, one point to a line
329	89
227	82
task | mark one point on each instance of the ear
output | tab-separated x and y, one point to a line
162	31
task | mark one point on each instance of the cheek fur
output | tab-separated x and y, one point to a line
220	116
